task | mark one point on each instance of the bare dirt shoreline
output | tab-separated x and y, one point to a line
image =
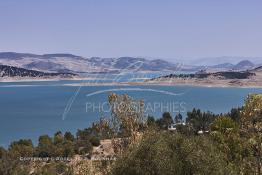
30	79
165	84
253	82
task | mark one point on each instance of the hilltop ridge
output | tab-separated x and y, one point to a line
21	73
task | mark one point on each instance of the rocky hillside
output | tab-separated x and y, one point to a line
216	75
11	71
216	79
258	69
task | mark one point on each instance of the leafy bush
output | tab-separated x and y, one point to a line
95	141
166	153
54	169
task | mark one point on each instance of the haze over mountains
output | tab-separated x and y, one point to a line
211	61
77	64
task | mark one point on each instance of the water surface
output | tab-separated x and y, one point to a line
31	109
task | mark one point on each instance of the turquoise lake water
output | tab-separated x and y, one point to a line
31	109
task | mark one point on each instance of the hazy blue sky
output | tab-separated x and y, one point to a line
112	28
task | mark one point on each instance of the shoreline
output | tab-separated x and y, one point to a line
158	84
19	79
210	84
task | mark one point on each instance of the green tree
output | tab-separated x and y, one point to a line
45	146
166	153
84	134
68	149
235	114
102	129
223	125
69	137
251	130
178	118
95	141
150	121
198	120
165	121
2	152
225	133
83	147
21	148
10	163
54	169
58	138
127	119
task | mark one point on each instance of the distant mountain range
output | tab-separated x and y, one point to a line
242	65
66	63
211	61
77	64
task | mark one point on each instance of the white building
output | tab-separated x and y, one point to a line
172	127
